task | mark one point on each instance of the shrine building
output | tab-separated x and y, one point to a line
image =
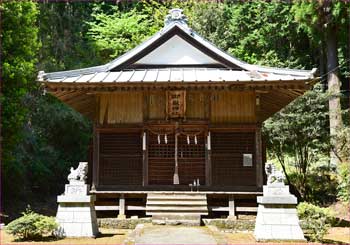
176	115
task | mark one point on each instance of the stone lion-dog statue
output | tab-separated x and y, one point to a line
274	176
78	175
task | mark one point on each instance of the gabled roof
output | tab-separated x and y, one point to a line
210	56
173	75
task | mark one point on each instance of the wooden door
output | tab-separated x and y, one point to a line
191	157
161	158
161	163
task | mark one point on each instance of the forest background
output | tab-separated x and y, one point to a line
42	138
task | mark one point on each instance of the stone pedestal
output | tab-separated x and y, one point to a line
277	217
76	213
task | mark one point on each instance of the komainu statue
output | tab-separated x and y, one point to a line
78	175
274	176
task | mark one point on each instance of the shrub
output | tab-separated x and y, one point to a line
32	225
315	220
344	182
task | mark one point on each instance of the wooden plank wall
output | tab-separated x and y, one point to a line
120	158
221	107
121	107
156	105
232	107
227	158
196	105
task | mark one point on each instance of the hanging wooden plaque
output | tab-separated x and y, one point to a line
176	107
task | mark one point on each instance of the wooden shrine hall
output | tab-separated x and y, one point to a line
177	114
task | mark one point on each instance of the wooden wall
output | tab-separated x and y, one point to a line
197	105
121	107
221	107
156	105
120	160
232	107
227	158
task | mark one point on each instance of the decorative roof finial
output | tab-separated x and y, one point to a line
175	15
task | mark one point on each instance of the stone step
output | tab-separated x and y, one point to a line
176	197
172	216
176	208
173	208
194	222
177	202
182	214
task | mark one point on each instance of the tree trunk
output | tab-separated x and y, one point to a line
349	66
334	84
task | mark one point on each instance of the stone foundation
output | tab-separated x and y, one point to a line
115	223
277	217
232	225
76	213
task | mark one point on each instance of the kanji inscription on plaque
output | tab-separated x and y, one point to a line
176	104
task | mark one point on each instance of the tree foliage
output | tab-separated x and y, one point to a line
42	137
298	134
119	32
19	56
62	32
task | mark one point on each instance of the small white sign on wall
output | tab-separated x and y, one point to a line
247	160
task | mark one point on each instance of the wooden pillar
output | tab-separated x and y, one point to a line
121	214
231	207
145	159
96	158
208	179
176	174
258	157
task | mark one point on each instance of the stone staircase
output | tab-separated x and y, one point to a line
176	208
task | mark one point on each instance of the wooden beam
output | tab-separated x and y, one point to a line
176	173
95	162
258	157
208	175
145	158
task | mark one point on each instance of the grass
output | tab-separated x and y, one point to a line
108	236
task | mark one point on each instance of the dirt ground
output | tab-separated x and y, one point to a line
337	235
108	236
341	210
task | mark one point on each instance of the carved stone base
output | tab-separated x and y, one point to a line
76	216
277	217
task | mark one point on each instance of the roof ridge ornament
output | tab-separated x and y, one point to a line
176	15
